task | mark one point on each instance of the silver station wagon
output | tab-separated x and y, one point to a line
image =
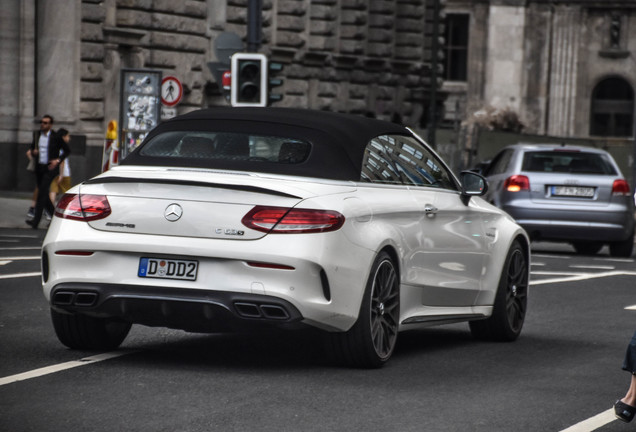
565	193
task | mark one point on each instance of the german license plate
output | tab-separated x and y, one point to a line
163	268
573	191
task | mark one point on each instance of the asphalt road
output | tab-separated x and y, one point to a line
561	373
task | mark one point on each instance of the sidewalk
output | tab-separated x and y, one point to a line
13	210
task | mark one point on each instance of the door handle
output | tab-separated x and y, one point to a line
430	210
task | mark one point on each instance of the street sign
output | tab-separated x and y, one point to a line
168	112
171	91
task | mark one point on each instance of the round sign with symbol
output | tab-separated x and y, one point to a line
171	91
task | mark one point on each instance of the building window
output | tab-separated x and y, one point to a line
456	47
612	108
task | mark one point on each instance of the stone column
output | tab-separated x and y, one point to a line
58	59
504	72
16	87
564	71
9	66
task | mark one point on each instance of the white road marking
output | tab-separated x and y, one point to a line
554	273
21	248
20	275
566	257
19	236
22	258
9	260
64	366
572	277
620	260
593	423
593	267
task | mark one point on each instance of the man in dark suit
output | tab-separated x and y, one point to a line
45	148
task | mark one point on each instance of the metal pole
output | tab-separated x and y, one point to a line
634	147
254	24
432	111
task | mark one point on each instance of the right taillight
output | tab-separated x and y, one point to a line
282	220
83	207
517	183
620	188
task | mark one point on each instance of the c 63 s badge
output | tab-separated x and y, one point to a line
229	232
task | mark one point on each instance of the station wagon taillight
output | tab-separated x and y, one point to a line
283	220
620	188
517	183
83	207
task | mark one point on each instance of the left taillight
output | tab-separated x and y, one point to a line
517	183
82	207
283	220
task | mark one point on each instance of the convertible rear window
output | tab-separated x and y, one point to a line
231	146
578	162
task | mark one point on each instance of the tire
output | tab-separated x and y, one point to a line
587	248
511	301
371	340
623	248
83	332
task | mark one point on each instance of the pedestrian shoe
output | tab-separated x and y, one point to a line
624	412
47	215
31	224
31	213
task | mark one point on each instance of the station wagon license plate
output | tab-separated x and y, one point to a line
163	268
573	191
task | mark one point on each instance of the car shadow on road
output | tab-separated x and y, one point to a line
272	349
275	349
306	349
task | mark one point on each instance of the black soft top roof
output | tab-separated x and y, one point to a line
338	140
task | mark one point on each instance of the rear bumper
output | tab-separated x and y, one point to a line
325	288
190	310
574	224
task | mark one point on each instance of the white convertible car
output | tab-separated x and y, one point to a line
231	218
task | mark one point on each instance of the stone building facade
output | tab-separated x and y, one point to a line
566	68
64	58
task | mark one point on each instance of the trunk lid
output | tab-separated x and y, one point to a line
196	202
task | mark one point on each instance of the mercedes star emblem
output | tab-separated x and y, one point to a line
173	212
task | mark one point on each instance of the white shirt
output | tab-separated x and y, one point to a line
43	148
66	170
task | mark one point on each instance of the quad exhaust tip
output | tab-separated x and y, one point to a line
261	311
79	299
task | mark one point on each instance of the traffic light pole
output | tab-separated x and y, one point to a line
254	25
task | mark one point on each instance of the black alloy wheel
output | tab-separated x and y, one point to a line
511	301
371	340
517	290
385	308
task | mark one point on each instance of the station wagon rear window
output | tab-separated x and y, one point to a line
229	146
575	162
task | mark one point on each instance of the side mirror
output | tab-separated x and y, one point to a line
473	184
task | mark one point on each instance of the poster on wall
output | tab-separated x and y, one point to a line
140	106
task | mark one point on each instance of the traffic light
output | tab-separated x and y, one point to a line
272	81
249	80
